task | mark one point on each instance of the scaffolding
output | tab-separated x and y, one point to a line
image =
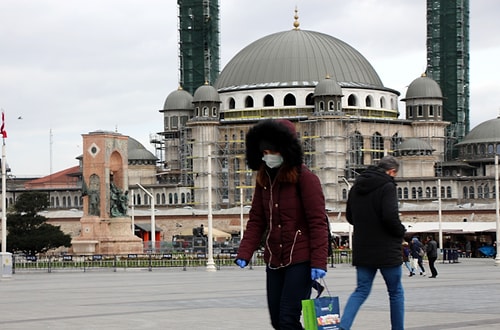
199	54
448	62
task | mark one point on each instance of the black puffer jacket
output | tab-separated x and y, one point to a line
372	208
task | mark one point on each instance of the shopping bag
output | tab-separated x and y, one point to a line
322	313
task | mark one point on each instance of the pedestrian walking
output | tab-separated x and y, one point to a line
288	216
431	250
405	251
372	208
417	253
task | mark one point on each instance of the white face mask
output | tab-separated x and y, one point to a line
273	160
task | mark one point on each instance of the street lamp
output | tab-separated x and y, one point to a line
497	258
153	223
210	261
440	217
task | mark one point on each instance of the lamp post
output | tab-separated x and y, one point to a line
210	261
440	217
497	258
153	223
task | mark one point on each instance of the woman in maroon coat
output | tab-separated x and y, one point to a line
288	216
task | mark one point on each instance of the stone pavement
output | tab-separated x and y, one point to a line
464	296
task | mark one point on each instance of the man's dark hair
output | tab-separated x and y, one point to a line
388	163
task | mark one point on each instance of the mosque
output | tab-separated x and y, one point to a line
346	119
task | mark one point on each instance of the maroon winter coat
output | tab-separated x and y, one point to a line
287	214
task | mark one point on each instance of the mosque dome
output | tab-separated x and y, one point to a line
488	131
206	93
327	87
297	58
179	100
423	87
414	147
137	152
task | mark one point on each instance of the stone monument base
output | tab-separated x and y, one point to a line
106	236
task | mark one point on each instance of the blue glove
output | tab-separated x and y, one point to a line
242	263
317	273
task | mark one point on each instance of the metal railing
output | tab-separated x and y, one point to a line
150	261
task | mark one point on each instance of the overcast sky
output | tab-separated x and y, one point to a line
70	67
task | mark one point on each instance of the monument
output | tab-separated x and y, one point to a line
105	226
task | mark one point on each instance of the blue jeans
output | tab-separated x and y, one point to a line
286	288
365	276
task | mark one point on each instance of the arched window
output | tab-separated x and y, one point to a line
405	193
420	192
309	99
248	102
466	193
176	199
163	198
170	198
351	100
480	192
357	157
448	192
471	192
64	201
321	105
400	193
289	100
158	198
382	102
331	105
396	140
268	101
414	193
377	146
344	194
232	103
183	198
368	101
434	192
428	192
76	201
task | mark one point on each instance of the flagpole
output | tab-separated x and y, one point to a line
3	132
4	204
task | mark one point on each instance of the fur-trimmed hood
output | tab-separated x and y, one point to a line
280	133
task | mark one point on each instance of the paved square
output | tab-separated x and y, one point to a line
464	296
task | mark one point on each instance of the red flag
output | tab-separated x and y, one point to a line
2	129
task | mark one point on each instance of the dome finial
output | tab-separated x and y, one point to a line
296	23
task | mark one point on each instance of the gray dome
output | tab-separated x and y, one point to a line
179	100
206	93
327	87
136	151
414	144
488	131
297	58
423	87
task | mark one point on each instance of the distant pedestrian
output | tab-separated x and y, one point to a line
405	251
431	250
417	253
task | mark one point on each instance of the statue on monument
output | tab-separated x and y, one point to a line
119	201
93	195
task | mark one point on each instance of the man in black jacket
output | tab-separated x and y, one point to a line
431	250
372	208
